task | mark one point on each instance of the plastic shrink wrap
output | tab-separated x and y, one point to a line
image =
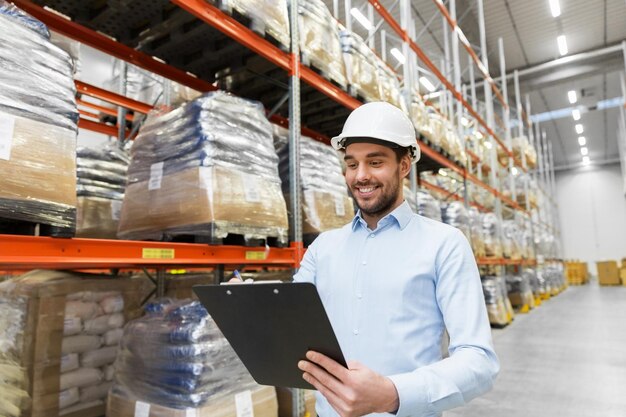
476	232
319	40
267	16
492	236
326	204
207	168
390	90
496	308
428	206
176	357
38	128
409	195
512	240
361	66
520	291
455	214
100	189
420	117
61	358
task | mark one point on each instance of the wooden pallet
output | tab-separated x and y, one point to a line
21	227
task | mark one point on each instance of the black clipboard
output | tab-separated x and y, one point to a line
271	326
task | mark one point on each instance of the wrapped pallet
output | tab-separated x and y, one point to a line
455	214
100	189
267	16
428	206
70	330
320	46
390	90
492	236
361	66
476	232
207	169
511	244
520	291
38	125
174	362
326	204
496	308
420	117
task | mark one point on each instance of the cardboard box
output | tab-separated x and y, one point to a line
608	274
97	217
285	402
622	275
264	404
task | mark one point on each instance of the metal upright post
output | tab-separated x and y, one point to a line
347	9
518	105
121	111
371	39
167	92
446	68
383	44
505	116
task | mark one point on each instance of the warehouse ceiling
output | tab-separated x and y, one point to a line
529	33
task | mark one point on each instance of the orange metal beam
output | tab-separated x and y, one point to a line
109	46
98	127
21	252
111	97
88	114
440	190
102	109
437	157
468	47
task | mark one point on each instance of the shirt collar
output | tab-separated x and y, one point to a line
402	215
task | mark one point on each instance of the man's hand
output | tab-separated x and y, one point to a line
352	392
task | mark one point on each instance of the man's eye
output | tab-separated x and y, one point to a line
375	163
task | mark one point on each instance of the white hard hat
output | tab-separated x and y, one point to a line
383	121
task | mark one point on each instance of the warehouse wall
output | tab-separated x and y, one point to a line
592	210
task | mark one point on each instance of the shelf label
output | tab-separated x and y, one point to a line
7	125
142	409
340	208
243	404
251	188
252	255
156	176
154	253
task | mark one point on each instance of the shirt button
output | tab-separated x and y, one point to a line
355	331
372	235
364	262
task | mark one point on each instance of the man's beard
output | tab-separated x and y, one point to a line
384	203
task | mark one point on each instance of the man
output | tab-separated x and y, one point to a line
391	282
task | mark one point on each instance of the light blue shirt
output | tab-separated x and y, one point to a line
390	293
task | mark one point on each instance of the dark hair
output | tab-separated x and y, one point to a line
400	152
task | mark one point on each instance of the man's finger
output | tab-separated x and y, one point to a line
330	396
331	366
321	375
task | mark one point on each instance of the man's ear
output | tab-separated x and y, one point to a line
405	166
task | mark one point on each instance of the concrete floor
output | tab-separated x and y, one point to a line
566	358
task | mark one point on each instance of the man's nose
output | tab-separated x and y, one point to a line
362	173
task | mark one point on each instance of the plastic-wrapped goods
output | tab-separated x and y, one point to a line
207	168
519	291
70	46
496	309
59	364
476	232
409	196
512	240
326	204
268	16
428	206
520	189
390	90
361	66
435	132
319	40
491	236
38	117
455	214
14	400
176	357
420	117
100	189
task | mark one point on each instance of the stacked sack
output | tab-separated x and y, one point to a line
390	90
499	308
38	124
409	195
420	117
326	204
361	66
100	189
512	240
520	291
455	214
319	40
267	16
492	236
476	231
175	357
207	169
13	378
428	206
91	333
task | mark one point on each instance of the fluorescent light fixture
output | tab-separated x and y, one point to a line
576	114
579	129
360	17
571	96
427	84
562	42
584	151
442	172
586	160
514	171
464	121
555	8
582	141
488	145
398	55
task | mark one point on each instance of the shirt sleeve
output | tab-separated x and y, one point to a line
472	366
307	270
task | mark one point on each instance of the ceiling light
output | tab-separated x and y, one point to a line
562	42
360	17
427	84
582	141
464	121
579	129
442	172
576	114
488	145
586	160
514	171
479	135
555	8
584	151
571	96
398	55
